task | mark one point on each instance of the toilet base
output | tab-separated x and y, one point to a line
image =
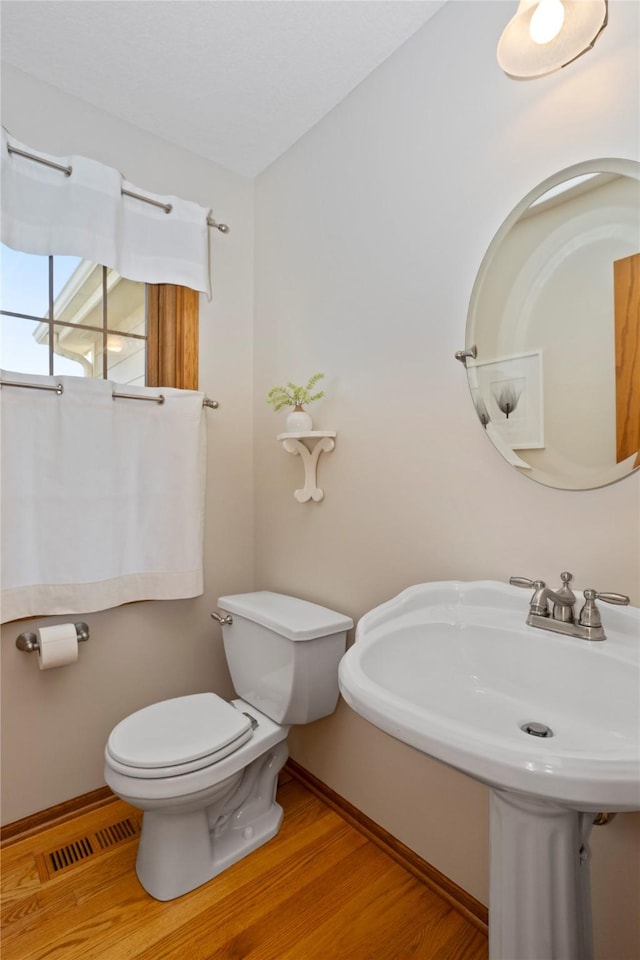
179	851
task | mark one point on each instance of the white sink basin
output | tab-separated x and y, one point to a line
452	669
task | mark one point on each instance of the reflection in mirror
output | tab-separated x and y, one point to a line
555	317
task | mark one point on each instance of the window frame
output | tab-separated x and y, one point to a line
172	316
172	336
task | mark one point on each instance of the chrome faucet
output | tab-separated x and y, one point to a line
562	617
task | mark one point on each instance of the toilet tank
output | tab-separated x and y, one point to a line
283	654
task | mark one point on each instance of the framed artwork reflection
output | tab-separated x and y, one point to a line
508	393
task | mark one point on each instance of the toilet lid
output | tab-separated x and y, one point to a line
179	731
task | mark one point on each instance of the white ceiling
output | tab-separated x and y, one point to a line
236	81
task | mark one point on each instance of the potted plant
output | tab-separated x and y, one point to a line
292	395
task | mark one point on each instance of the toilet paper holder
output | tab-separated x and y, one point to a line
28	642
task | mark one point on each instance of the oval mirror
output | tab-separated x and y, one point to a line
554	322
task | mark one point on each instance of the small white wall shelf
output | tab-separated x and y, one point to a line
294	443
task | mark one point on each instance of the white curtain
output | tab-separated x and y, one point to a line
44	211
102	499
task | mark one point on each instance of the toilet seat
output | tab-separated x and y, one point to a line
177	736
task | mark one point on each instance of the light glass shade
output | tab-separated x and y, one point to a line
524	58
547	21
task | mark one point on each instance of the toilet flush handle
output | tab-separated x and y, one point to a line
228	619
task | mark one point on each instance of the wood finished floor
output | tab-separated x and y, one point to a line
320	890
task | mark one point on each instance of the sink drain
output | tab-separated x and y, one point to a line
535	729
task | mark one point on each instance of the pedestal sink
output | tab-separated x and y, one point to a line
550	723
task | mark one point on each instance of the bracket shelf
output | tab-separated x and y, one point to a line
294	443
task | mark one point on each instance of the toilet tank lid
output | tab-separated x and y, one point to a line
291	617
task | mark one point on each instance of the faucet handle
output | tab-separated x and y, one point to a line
525	582
620	598
590	615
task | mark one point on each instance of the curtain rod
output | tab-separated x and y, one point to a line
167	207
59	389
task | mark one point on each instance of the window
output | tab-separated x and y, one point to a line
65	315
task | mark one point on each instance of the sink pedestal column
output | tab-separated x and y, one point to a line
539	893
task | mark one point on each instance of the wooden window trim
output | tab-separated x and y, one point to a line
172	336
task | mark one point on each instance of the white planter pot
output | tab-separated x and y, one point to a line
299	421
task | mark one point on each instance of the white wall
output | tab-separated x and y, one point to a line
369	232
55	723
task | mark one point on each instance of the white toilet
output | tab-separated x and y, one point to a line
203	770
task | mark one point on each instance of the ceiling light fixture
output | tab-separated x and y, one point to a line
115	344
545	35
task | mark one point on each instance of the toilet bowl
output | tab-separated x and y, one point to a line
203	770
197	823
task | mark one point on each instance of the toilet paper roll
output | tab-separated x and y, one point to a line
58	646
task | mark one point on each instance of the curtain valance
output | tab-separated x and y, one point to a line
85	214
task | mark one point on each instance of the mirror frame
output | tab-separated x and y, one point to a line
623	167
